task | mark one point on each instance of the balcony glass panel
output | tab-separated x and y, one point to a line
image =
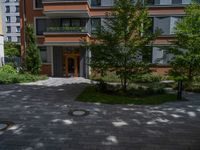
167	2
67	25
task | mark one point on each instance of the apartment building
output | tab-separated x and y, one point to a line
1	40
61	26
11	20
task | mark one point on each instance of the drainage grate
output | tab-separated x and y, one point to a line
78	112
4	125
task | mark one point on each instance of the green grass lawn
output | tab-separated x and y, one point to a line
91	95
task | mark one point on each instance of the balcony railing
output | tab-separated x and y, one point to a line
67	29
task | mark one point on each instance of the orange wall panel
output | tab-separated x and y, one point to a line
166	11
66	6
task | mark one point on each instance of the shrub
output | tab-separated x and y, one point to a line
8	69
192	86
101	86
147	78
9	78
142	92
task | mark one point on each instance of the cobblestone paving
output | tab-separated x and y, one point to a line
40	113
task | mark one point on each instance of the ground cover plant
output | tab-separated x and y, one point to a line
138	97
9	74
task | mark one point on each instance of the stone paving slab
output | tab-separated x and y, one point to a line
40	113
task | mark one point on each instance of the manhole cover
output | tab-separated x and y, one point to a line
78	112
5	125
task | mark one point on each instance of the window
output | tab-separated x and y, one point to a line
150	2
174	21
18	39
7	9
16	8
163	24
8	19
8	29
18	29
147	55
96	2
38	4
40	26
176	1
16	0
6	1
161	56
17	19
43	54
95	22
9	38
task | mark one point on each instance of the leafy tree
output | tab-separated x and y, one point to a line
121	40
12	49
186	47
32	58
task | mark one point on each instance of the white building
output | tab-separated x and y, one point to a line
11	20
1	39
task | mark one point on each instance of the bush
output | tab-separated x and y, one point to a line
8	69
9	78
101	86
142	92
197	79
147	78
192	86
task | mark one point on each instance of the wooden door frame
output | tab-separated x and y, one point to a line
74	56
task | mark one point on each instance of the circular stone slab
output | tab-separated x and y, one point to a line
78	112
3	126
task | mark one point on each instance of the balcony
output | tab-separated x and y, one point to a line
66	8
66	30
163	3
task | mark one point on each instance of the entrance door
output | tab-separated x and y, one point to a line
72	66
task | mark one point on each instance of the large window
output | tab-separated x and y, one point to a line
38	4
40	26
17	19
166	24
18	29
8	19
96	2
16	8
43	54
168	2
8	29
161	56
7	9
95	23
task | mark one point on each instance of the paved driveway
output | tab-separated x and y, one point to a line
40	113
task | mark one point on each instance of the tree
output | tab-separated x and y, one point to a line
186	47
12	49
32	56
121	39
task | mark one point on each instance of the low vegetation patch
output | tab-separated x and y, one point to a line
9	75
145	78
138	96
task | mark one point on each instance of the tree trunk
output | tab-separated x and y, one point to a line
125	75
190	73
